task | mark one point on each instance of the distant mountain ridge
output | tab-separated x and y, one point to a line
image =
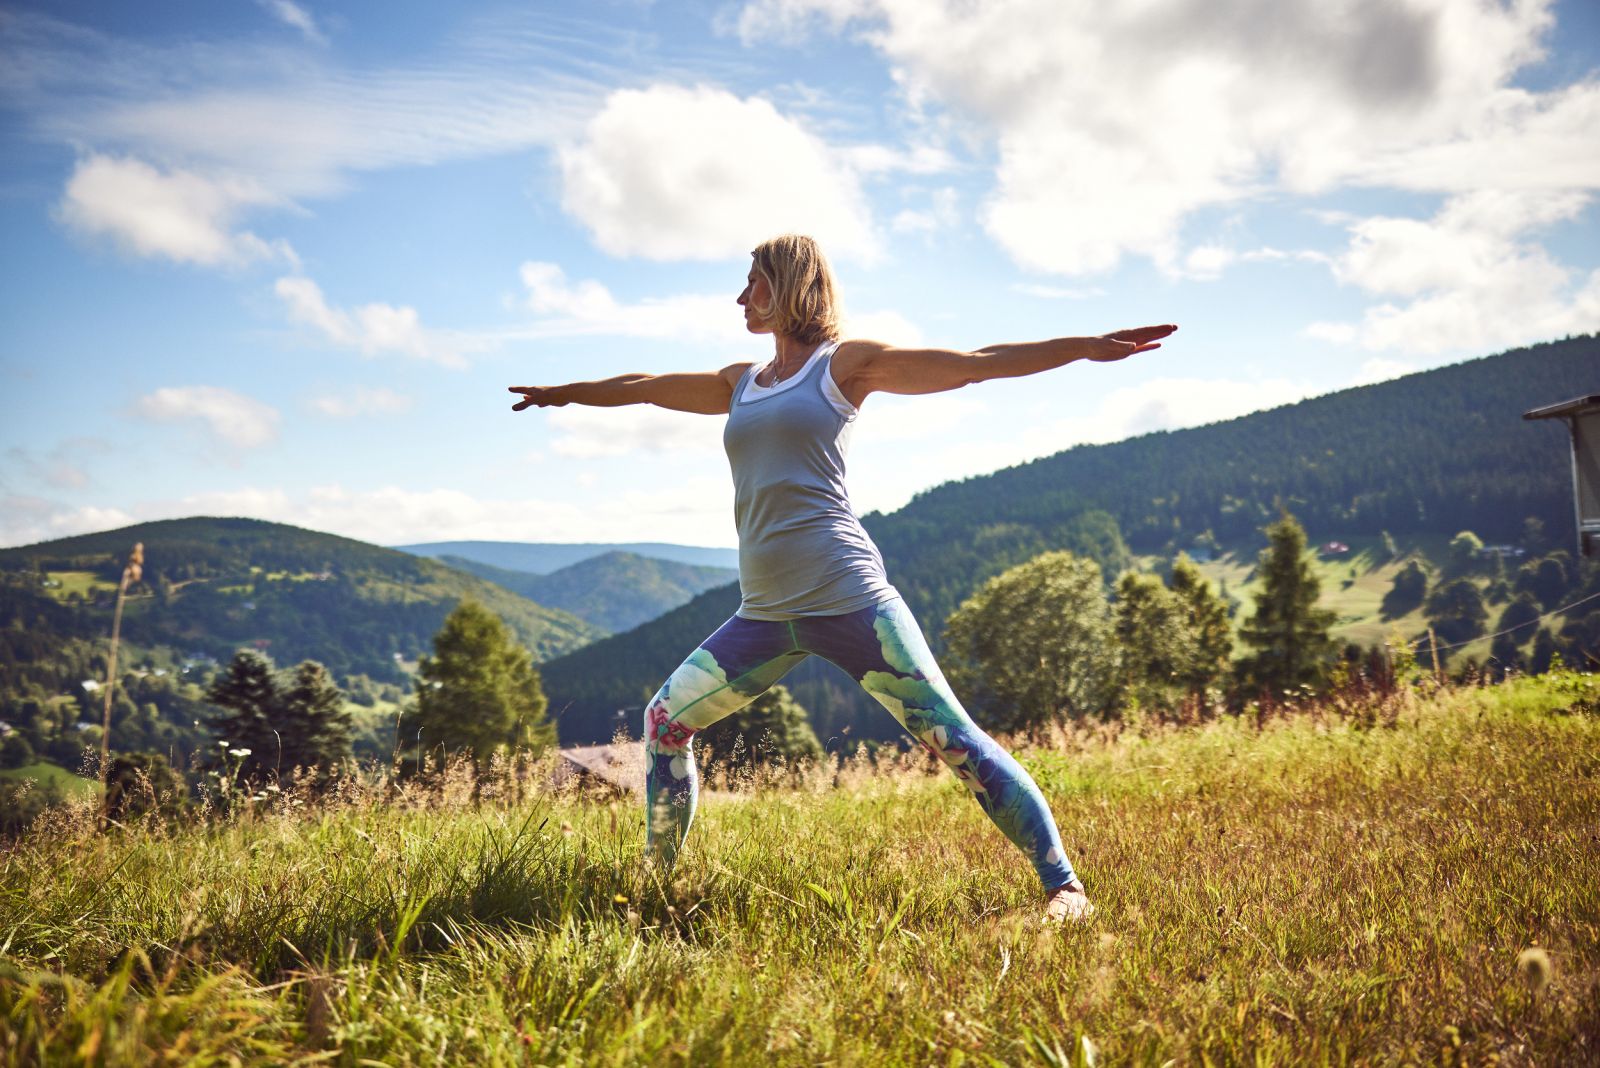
1436	452
542	558
213	584
615	591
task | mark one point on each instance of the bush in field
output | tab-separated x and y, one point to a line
1155	643
1546	578
772	728
1034	644
477	694
1406	595
1288	634
1456	611
1463	553
138	783
1513	629
1207	617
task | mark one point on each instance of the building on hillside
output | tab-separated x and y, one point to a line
607	770
1582	416
1335	548
1504	552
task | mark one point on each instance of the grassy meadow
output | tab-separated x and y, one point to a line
1410	880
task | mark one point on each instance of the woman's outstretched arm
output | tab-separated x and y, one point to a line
865	367
706	393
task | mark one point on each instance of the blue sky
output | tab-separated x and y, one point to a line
281	259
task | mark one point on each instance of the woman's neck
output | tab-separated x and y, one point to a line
789	355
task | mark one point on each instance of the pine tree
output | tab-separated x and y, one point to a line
285	720
1208	617
1288	632
247	689
773	727
315	724
478	693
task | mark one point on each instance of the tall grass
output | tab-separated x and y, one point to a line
1317	888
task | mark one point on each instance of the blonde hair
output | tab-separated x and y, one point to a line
805	303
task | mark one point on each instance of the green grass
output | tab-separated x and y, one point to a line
42	772
1320	889
64	584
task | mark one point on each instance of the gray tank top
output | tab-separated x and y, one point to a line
802	551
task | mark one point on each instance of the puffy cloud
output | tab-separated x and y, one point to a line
231	417
363	400
371	329
1112	124
671	172
1470	278
175	214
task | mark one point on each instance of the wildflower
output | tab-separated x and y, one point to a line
239	752
1533	964
224	743
566	829
621	899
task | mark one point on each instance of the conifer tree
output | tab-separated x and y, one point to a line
774	726
1208	618
285	720
316	726
1288	633
477	693
247	690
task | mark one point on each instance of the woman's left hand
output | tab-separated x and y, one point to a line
1124	343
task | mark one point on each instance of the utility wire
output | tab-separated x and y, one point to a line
1519	626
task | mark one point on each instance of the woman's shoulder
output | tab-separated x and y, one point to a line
735	371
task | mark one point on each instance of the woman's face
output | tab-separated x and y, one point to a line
757	294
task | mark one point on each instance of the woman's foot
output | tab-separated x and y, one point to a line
1068	904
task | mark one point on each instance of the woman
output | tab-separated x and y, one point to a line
812	581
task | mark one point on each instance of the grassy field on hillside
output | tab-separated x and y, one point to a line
1410	882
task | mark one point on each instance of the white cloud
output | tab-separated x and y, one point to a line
296	17
588	307
299	122
567	308
694	511
176	214
1112	124
1059	292
697	173
363	400
1469	279
588	433
62	467
371	329
231	417
940	214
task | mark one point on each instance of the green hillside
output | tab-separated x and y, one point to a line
614	591
1421	457
211	585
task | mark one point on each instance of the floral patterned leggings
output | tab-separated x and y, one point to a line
882	648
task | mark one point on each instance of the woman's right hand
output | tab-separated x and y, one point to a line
543	396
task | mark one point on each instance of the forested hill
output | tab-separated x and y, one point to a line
1434	452
615	591
1431	453
211	585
